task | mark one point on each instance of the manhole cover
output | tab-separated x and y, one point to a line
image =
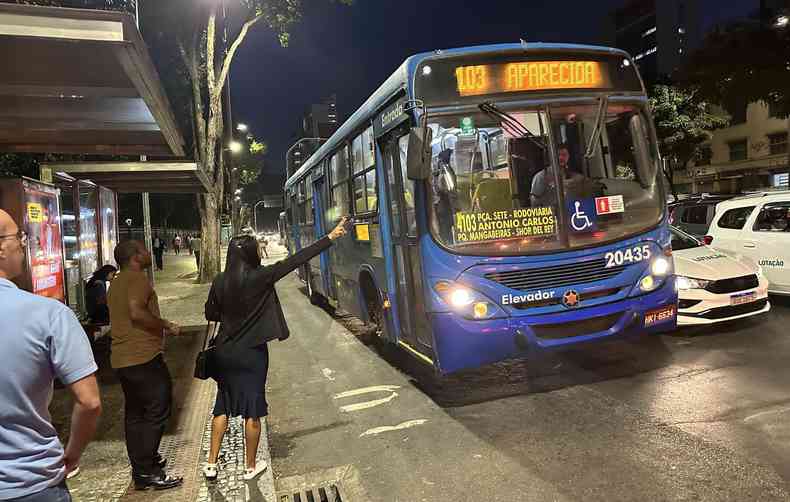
340	484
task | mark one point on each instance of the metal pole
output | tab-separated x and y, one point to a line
137	13
147	230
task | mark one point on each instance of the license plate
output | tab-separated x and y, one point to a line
743	298
659	315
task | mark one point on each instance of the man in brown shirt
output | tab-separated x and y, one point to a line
137	344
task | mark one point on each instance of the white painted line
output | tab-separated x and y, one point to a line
767	412
390	428
368	404
328	374
367	390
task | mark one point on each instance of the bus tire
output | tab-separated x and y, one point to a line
373	305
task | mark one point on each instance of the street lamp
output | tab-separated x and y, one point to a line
782	21
235	147
242	128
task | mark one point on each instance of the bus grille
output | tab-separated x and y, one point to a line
576	328
554	277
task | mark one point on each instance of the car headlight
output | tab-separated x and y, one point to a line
467	302
691	283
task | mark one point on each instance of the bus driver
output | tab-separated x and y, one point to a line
543	191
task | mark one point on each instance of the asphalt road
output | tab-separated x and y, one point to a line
696	415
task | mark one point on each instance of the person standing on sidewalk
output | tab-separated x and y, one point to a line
137	345
196	242
42	340
243	298
159	251
177	244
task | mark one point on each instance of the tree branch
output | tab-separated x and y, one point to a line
211	40
234	47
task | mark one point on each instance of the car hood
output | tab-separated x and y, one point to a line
711	264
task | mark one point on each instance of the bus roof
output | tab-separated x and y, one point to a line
401	79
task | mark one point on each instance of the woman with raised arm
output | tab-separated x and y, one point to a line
244	300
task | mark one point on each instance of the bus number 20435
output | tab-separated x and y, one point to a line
630	255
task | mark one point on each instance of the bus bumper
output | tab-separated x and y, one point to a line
462	343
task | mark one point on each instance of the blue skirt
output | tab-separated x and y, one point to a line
240	374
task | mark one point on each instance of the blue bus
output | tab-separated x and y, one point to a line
507	200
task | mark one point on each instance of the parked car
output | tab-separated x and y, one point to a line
714	285
694	214
758	227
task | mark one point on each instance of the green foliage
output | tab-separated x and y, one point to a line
12	164
250	162
683	122
747	61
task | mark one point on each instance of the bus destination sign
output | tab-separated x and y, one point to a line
531	76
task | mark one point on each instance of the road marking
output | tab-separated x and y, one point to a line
767	412
390	428
328	374
368	390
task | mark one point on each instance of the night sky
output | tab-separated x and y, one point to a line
350	51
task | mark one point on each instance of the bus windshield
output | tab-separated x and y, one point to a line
496	186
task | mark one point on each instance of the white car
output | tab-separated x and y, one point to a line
713	285
757	226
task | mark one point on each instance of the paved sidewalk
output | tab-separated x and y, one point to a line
105	472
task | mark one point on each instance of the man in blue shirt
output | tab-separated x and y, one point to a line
41	339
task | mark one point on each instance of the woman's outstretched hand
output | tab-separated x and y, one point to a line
340	229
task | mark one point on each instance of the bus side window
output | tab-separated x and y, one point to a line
364	166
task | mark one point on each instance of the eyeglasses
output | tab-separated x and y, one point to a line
21	235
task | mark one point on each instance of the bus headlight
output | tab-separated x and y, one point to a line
648	283
467	302
660	266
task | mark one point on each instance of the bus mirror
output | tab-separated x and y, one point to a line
419	154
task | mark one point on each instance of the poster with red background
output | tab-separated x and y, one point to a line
45	250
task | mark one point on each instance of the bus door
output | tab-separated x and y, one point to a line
403	241
321	203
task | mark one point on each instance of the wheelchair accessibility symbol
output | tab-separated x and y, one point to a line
582	216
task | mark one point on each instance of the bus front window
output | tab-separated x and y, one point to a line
494	186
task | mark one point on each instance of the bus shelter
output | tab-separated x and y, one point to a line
78	81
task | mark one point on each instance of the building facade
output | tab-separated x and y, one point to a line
659	34
319	121
751	154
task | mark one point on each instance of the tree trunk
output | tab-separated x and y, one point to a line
210	256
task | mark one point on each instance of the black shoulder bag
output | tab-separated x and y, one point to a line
201	362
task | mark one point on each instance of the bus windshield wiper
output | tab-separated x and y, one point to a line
596	133
510	122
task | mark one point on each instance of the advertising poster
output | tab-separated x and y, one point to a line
45	257
109	230
89	241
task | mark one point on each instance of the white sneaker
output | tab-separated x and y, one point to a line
74	473
260	467
210	471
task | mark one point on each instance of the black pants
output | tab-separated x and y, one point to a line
147	389
197	258
159	262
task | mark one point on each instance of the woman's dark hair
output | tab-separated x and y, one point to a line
242	257
102	274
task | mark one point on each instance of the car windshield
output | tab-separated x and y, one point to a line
495	190
682	240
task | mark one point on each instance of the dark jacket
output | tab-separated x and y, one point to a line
254	316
